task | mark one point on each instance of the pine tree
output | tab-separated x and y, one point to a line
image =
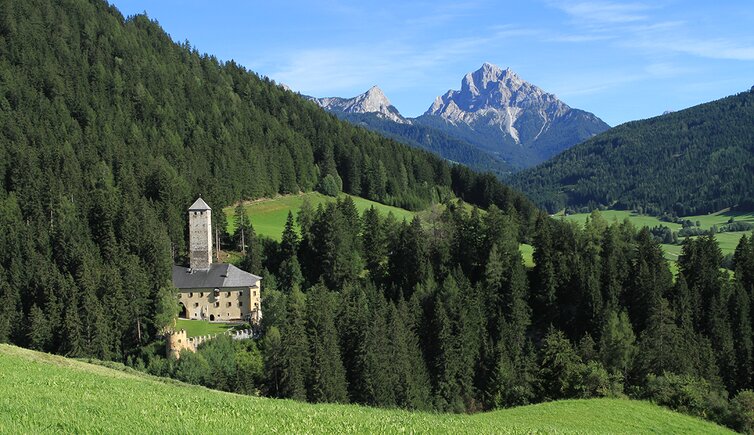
741	326
374	244
295	354
39	334
326	380
544	276
559	365
273	362
618	343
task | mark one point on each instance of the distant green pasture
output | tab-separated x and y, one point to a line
726	241
268	215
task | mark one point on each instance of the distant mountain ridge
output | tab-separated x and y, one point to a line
374	111
511	122
372	101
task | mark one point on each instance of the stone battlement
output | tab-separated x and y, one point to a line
176	341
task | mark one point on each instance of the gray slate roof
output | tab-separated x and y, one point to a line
199	205
219	275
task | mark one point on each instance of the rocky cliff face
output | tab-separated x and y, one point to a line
372	101
501	113
500	98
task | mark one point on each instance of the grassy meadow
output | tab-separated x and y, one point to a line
195	328
47	393
268	215
727	241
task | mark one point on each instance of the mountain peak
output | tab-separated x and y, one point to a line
371	101
506	110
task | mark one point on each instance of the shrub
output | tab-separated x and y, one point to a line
742	412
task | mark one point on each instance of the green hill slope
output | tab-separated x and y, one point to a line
45	392
268	215
694	161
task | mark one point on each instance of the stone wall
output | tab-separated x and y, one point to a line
177	341
224	304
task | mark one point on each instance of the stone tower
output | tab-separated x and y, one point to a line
200	235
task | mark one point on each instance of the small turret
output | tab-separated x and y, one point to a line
175	342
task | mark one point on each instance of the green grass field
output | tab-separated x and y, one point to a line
196	328
727	241
46	393
527	252
268	215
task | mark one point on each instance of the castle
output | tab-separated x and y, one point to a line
214	291
211	291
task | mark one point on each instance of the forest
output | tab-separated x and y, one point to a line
442	315
694	161
109	130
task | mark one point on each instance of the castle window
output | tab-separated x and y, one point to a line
229	304
254	293
201	295
240	293
217	304
240	304
227	294
196	304
191	294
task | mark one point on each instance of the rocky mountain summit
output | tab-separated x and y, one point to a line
501	113
371	101
509	120
498	97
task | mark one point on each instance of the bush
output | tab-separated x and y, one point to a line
594	381
688	394
742	412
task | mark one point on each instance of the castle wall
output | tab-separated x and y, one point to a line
176	342
200	238
225	304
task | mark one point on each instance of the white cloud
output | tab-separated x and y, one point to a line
604	11
391	64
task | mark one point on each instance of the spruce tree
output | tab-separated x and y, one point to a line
295	357
325	380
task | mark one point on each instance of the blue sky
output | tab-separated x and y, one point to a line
620	60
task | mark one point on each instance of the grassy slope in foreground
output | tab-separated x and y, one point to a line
43	392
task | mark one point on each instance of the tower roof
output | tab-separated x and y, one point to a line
198	205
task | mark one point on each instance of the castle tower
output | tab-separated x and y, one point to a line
200	235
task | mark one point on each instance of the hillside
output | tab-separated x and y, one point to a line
693	161
109	129
268	215
63	395
444	144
